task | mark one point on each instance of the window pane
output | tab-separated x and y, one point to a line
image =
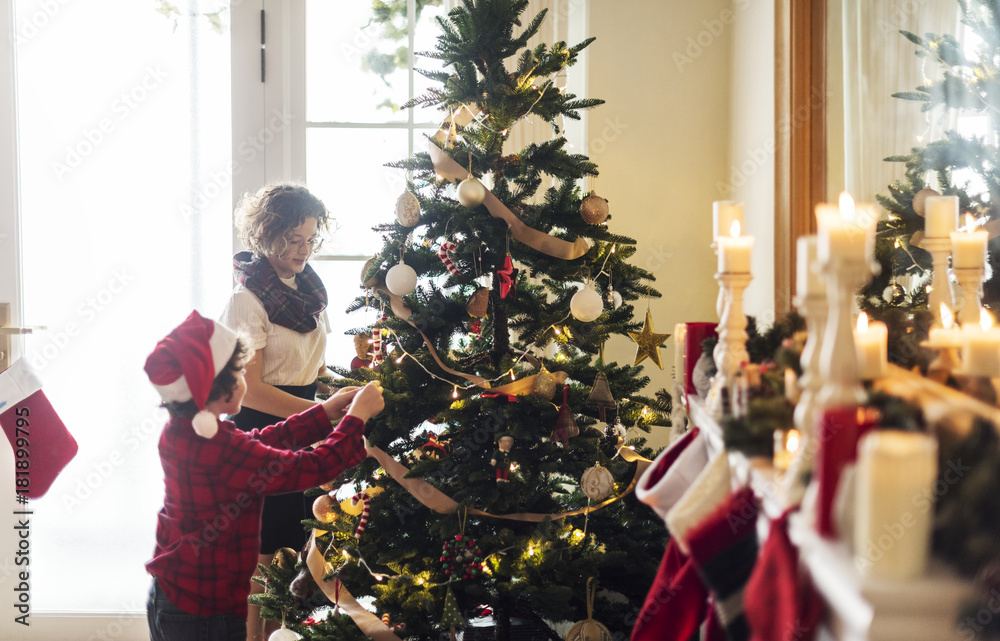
343	284
356	69
345	169
425	39
124	125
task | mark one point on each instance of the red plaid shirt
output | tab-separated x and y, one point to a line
208	532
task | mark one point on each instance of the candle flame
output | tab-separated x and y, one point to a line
734	229
970	223
847	207
862	323
792	442
985	320
947	318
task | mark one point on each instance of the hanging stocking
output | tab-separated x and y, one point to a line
724	549
780	600
672	473
676	603
36	433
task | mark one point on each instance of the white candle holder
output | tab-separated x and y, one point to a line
970	279
838	361
940	250
814	309
731	350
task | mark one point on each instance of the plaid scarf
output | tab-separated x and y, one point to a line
296	309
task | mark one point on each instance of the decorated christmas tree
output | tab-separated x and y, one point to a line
966	83
501	471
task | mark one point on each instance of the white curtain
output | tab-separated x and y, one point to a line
877	62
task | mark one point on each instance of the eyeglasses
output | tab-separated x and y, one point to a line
313	243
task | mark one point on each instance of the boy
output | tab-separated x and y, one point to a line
216	477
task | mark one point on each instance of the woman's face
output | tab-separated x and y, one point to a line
300	247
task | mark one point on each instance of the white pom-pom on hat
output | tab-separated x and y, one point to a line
205	424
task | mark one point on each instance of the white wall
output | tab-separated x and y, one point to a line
662	146
751	144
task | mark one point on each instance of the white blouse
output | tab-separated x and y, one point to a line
289	357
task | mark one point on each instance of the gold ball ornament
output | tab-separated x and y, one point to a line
471	192
358	508
369	273
594	209
285	558
588	630
323	509
479	304
362	345
407	209
920	200
545	384
596	483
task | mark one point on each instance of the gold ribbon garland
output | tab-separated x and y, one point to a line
445	166
441	503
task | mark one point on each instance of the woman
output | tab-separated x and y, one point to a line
279	305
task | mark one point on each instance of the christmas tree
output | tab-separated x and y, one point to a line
963	165
498	488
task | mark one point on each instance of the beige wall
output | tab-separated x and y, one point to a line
662	144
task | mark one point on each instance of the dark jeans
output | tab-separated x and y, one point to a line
168	623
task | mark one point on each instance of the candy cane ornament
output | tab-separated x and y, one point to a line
365	501
395	628
443	253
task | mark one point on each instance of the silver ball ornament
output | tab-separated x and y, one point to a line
471	192
613	298
401	279
894	294
586	305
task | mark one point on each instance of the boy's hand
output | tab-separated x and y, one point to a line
367	401
336	405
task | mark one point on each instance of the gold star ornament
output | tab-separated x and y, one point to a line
648	342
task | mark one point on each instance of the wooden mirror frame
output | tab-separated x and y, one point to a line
800	178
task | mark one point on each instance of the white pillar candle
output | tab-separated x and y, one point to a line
968	248
895	479
947	336
724	213
808	279
871	341
734	251
981	348
680	337
846	231
940	216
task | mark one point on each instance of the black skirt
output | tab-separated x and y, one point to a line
281	522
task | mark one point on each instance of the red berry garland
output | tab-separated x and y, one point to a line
462	558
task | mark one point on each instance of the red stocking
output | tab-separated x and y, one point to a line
34	428
677	602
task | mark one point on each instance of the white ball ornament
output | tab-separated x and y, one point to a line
596	483
401	279
471	192
284	634
407	209
586	305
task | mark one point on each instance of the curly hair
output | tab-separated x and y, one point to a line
266	218
224	384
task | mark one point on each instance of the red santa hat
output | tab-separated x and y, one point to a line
184	364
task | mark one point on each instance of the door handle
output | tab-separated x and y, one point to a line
6	332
